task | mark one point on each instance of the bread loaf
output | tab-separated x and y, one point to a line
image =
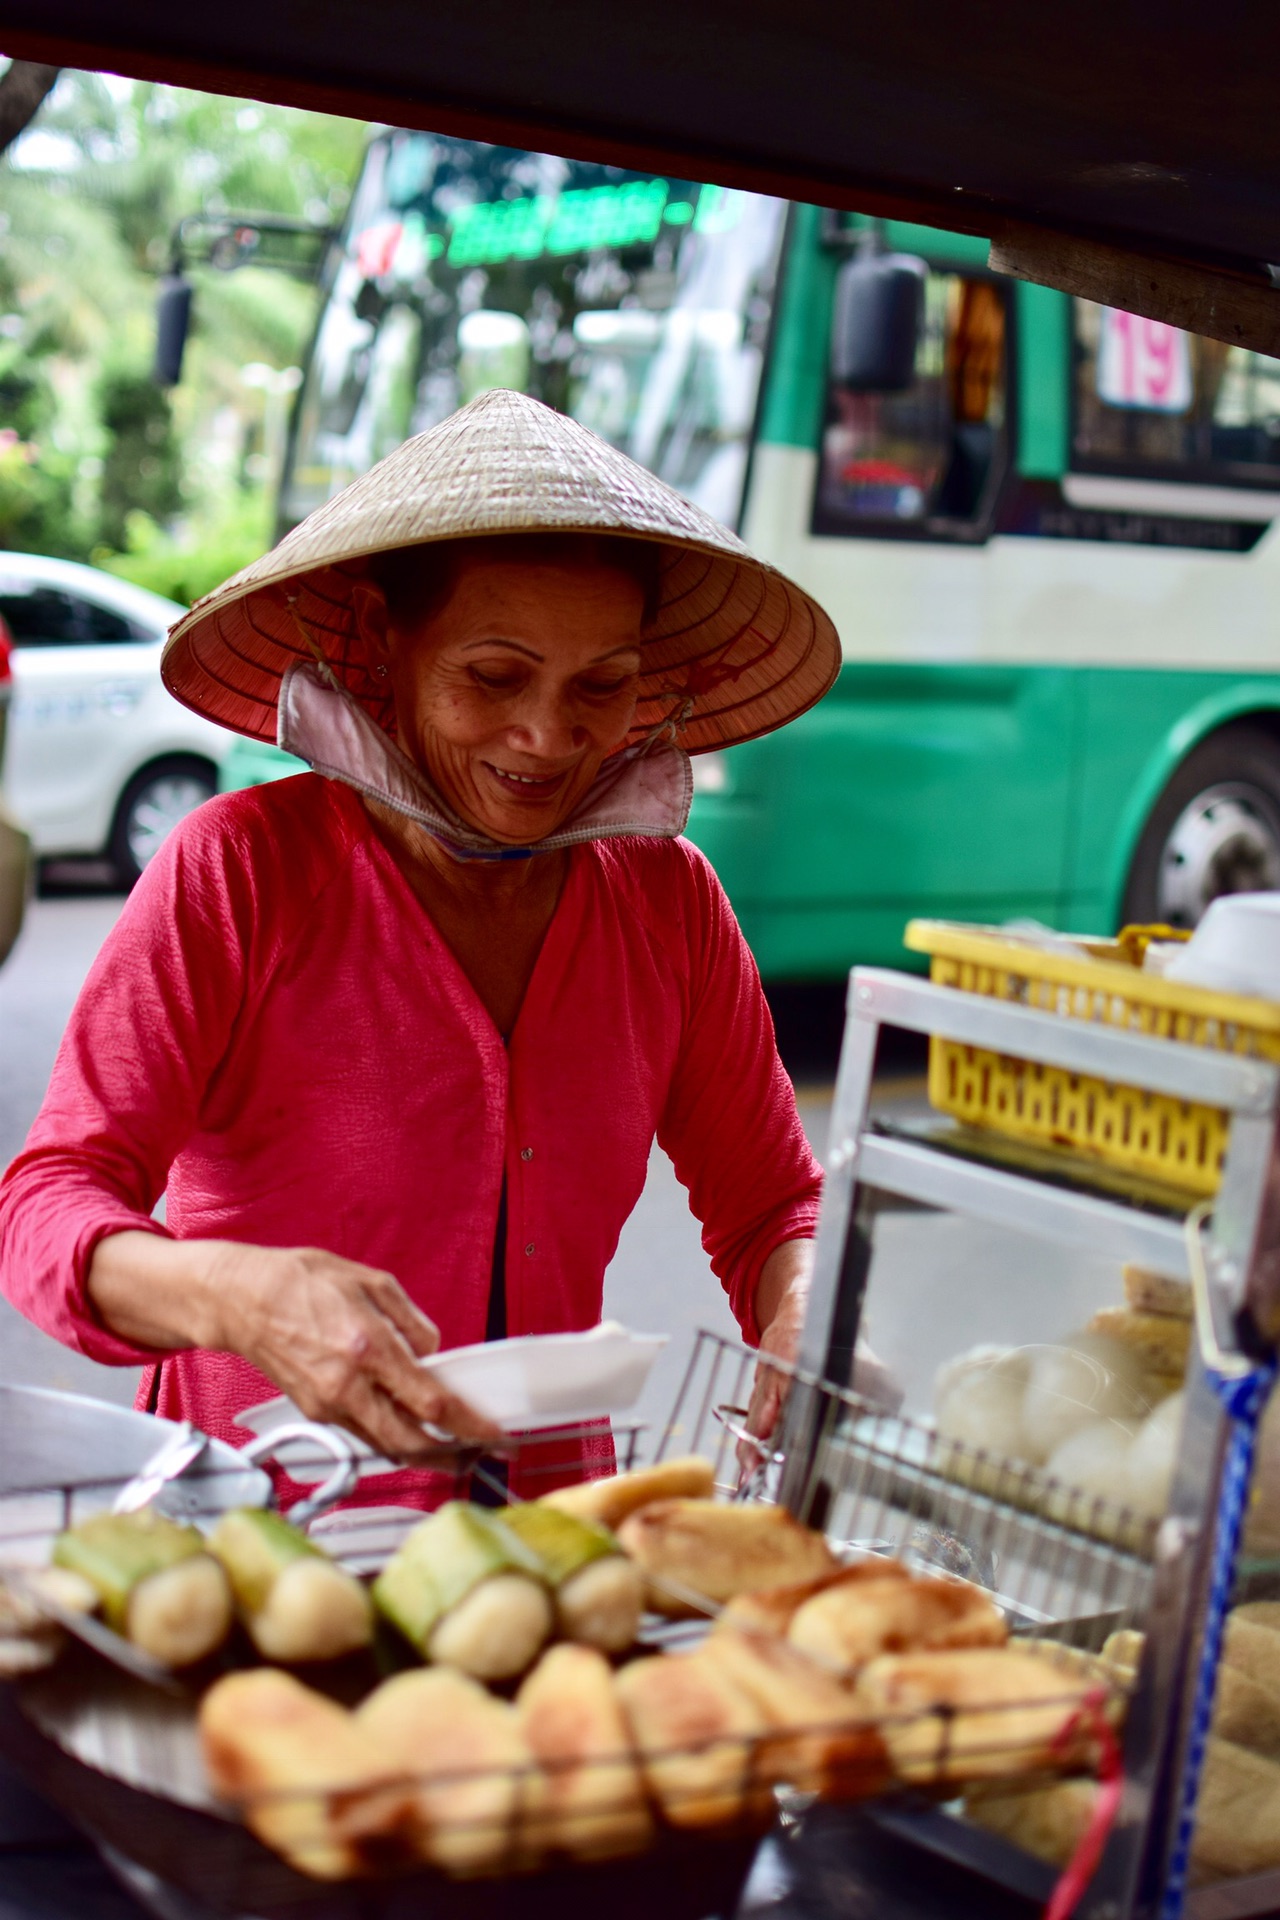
696	1732
849	1623
1238	1813
816	1742
1154	1293
770	1610
586	1799
609	1501
1251	1647
696	1551
1048	1821
1159	1342
977	1714
467	1762
311	1782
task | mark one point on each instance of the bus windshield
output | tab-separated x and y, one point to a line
639	305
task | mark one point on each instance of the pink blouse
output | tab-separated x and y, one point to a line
276	1034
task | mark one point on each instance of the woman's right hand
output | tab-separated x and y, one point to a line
341	1339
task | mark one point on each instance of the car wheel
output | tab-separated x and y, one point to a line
1215	830
151	806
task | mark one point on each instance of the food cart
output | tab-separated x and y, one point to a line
1078	1099
1133	162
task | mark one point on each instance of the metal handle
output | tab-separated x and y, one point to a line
171	1459
340	1482
1229	1366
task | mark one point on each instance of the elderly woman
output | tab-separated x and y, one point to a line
396	1036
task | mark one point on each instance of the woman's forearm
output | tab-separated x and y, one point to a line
158	1292
784	1280
341	1339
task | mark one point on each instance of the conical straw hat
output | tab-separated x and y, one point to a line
734	650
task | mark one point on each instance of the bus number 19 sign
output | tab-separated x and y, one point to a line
1143	363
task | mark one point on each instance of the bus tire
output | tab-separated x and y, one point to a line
1214	830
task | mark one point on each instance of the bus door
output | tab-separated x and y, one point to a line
931	780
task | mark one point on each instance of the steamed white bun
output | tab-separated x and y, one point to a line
978	1400
1069	1388
1092	1462
1152	1458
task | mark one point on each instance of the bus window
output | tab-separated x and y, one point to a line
928	460
1152	400
639	305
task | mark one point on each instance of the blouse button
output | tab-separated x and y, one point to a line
526	1153
530	1249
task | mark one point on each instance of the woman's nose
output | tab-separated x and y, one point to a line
546	725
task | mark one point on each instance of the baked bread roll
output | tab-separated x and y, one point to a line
819	1745
1158	1342
1251	1647
609	1501
465	1758
698	1551
311	1782
1122	1651
1238	1813
1049	1821
29	1639
982	1713
1154	1293
849	1623
586	1799
1237	1817
770	1610
1247	1712
696	1732
1262	1613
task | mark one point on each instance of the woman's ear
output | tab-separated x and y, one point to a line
369	604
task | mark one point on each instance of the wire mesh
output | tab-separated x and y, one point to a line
1064	1570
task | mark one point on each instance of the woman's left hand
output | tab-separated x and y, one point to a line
782	1301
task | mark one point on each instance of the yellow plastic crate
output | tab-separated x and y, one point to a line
1141	1133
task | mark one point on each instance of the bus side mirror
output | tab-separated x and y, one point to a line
875	323
173	320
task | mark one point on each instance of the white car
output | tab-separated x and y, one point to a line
101	760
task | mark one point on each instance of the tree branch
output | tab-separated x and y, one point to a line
22	91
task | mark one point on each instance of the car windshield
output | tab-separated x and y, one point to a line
639	305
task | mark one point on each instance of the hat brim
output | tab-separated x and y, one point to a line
734	650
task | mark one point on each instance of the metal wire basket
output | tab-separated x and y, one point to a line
1066	1572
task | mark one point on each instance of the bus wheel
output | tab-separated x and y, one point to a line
1216	829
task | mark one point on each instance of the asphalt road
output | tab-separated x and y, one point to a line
939	1285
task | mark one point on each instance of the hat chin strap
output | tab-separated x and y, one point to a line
645	790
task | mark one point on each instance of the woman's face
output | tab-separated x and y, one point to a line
512	692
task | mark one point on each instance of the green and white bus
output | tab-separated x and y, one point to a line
1049	549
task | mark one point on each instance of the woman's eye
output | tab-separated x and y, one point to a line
496	682
605	689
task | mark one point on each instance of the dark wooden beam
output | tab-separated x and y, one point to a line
1242	311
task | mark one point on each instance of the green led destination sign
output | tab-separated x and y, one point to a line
580	220
487	233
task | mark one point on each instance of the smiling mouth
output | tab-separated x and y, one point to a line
526	786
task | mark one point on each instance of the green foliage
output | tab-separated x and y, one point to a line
142	471
204	554
37	514
90	199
